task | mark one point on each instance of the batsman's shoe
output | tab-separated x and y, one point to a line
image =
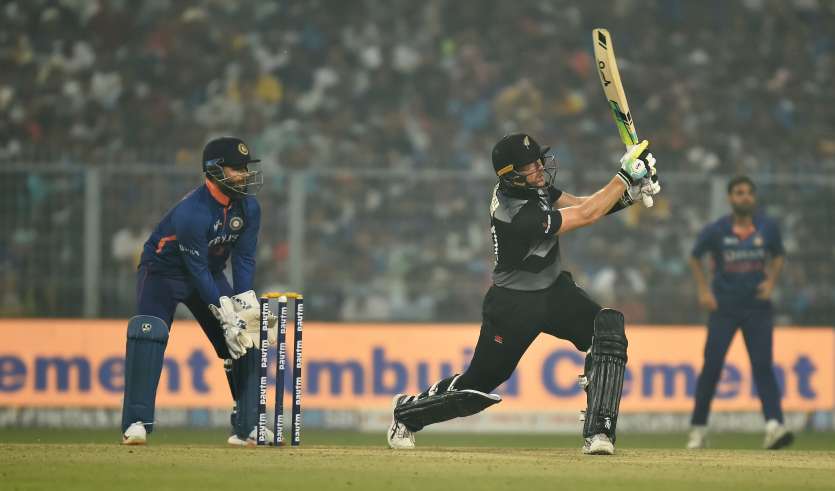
776	435
599	444
698	438
252	441
135	434
399	437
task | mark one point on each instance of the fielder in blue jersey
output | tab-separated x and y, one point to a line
183	262
747	254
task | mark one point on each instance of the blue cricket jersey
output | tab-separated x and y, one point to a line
197	236
739	261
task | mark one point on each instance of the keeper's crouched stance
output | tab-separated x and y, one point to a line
183	262
531	294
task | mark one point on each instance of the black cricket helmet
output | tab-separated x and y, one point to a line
515	151
228	151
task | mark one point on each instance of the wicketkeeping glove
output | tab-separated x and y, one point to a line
248	308
234	328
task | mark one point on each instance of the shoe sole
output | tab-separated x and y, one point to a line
600	450
783	441
699	446
131	442
243	444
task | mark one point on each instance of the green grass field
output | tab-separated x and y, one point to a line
197	459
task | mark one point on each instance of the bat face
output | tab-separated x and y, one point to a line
602	37
607	68
621	117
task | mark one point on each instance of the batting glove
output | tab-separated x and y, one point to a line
632	168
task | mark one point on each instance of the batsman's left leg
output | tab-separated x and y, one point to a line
441	402
506	333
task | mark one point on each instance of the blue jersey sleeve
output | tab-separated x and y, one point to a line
704	242
193	240
774	244
243	254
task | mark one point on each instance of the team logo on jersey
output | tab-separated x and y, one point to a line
242	148
236	223
758	241
731	240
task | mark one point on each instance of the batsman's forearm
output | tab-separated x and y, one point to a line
622	204
599	203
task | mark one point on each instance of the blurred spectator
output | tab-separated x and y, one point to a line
409	97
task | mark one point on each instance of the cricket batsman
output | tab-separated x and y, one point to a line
532	293
183	262
747	253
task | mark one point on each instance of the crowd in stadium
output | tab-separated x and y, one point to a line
405	86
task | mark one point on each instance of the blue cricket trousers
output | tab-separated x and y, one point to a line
758	333
158	296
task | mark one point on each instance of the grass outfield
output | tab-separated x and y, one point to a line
197	459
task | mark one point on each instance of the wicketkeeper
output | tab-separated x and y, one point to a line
183	262
531	294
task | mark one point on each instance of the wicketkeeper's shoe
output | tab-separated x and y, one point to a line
599	444
252	441
698	438
399	437
135	434
776	435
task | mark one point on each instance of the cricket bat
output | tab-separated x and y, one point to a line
607	67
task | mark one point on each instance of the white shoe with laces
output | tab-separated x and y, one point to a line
135	434
698	438
252	441
776	435
599	444
399	437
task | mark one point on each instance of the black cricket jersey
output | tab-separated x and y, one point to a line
524	227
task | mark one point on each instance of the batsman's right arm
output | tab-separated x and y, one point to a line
600	203
593	208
